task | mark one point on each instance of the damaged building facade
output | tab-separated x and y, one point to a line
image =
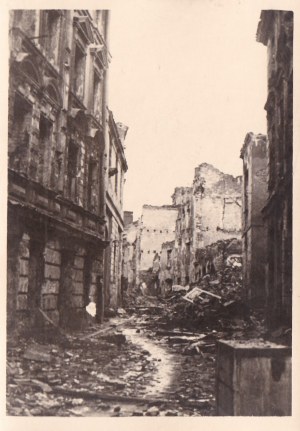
254	235
157	225
275	31
208	212
117	167
142	242
130	249
57	165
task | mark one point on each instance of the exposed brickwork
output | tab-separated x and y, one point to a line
208	211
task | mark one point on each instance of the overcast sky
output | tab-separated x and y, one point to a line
189	80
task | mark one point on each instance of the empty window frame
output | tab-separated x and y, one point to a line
73	151
79	72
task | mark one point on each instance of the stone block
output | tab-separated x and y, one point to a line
52	272
77	274
97	266
52	256
78	288
253	379
80	251
79	262
54	244
77	301
23	285
22	302
23	268
50	287
49	302
24	250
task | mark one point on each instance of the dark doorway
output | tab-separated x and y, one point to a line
35	279
100	300
65	291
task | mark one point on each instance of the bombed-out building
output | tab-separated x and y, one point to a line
275	31
142	243
167	269
58	144
254	236
208	212
117	167
182	254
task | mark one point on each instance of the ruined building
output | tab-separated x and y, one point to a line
275	30
167	271
57	165
157	225
131	255
208	211
142	242
117	166
254	235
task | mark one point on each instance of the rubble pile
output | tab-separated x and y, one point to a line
57	379
212	302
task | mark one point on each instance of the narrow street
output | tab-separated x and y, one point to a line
119	372
149	248
141	363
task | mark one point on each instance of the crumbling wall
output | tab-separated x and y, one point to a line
213	258
255	171
217	206
158	226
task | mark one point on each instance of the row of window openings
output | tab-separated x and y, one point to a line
161	231
49	39
22	120
149	251
117	177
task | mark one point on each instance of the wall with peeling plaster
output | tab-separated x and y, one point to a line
56	153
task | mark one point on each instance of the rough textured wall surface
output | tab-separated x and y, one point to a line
275	31
55	158
217	206
158	226
255	194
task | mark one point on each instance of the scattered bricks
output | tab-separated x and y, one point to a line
78	288
52	272
52	256
23	267
50	286
37	352
77	274
77	301
79	262
22	302
49	302
23	285
152	411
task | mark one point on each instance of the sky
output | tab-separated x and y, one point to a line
190	81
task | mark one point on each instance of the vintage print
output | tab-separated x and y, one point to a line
149	239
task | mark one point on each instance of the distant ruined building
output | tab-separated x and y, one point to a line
62	214
168	238
208	212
